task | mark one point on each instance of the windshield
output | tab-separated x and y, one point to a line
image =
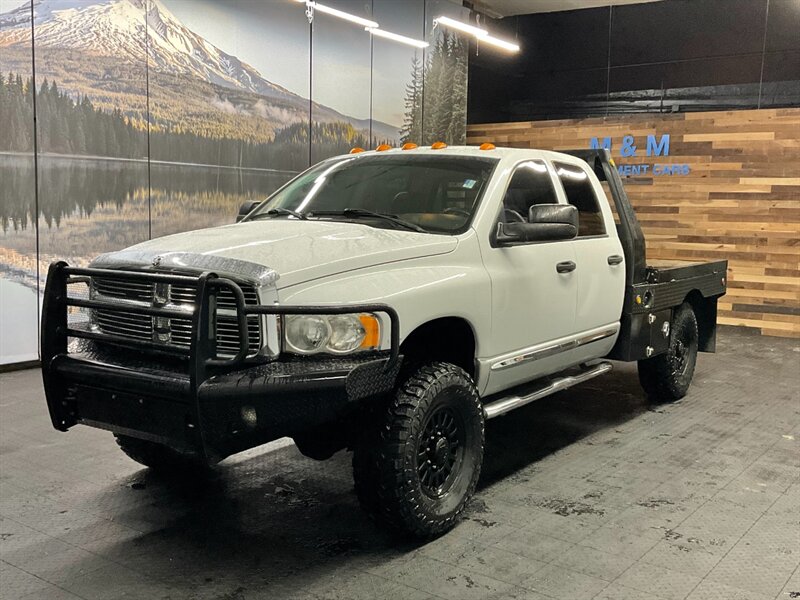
423	192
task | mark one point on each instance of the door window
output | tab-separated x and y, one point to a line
530	184
580	193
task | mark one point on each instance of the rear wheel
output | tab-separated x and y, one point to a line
420	472
159	457
666	377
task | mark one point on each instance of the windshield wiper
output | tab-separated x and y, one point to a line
277	212
360	212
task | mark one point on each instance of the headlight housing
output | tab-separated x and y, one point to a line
333	334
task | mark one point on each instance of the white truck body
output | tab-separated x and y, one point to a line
385	302
512	297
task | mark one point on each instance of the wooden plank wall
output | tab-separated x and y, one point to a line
740	200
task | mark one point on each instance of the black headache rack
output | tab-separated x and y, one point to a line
653	291
630	232
195	401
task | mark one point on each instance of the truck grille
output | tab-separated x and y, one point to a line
173	332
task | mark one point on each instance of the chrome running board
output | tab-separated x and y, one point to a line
504	405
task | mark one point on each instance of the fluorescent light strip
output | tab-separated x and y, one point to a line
453	24
488	39
335	12
481	34
397	37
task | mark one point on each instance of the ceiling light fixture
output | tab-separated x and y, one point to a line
480	34
465	27
335	12
397	37
488	39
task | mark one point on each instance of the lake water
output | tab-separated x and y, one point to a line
90	206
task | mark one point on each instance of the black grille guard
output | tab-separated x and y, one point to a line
201	354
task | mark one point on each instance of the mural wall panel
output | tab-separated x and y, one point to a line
397	72
224	109
18	268
91	86
444	98
341	52
160	116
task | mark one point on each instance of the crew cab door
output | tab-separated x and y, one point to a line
534	286
600	266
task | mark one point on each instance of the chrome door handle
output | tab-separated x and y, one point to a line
566	267
615	259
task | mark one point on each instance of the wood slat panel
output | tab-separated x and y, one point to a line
740	200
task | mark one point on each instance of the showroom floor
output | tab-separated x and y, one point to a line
588	494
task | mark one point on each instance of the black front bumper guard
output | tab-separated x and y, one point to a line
201	404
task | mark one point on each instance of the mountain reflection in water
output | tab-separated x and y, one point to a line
90	206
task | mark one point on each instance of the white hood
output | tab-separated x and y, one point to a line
298	251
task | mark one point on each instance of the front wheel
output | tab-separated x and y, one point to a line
666	377
420	472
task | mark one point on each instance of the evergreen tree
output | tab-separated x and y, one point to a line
436	98
73	125
412	121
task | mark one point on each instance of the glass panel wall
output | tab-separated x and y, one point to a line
161	116
341	52
19	270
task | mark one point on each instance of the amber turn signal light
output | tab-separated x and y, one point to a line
372	331
438	145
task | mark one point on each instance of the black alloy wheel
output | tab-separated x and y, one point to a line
417	469
666	377
441	451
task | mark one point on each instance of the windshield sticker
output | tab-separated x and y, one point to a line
469	184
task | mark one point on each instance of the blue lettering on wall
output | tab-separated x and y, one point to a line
595	145
628	170
655	146
660	148
628	147
671	169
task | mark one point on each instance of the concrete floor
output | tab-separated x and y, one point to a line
588	494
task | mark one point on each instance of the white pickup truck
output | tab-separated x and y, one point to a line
388	302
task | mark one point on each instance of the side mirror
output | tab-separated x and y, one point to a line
246	208
547	222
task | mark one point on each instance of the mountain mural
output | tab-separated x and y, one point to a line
145	127
97	48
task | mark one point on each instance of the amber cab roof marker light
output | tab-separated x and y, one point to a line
487	146
356	150
409	146
383	148
438	146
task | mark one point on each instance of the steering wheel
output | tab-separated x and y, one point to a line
512	216
458	211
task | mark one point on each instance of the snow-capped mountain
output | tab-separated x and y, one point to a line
120	28
127	29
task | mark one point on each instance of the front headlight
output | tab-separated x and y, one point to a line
336	334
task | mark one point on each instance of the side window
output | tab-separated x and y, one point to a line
530	184
580	193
